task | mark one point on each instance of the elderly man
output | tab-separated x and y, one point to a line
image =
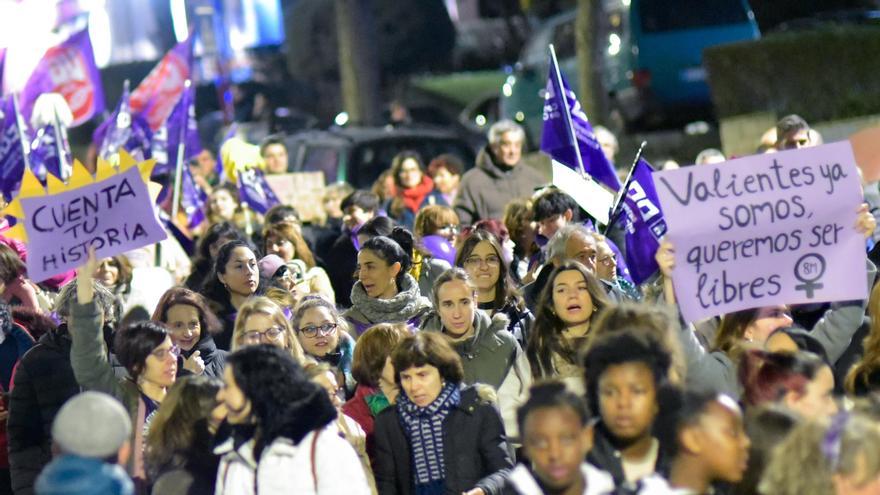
498	176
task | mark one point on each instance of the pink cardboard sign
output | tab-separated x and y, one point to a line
115	215
765	230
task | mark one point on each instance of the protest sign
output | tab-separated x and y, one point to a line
302	190
765	230
114	213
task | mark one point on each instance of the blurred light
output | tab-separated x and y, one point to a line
697	128
341	119
625	3
520	116
507	89
99	33
613	44
178	19
480	120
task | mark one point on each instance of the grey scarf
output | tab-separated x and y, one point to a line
407	304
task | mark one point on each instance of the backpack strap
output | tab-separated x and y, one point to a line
312	455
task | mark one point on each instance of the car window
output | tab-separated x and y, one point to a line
672	15
322	159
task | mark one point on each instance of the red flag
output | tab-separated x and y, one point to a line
155	96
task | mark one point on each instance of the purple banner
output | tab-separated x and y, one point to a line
255	191
556	135
765	230
11	150
123	130
68	69
115	215
645	225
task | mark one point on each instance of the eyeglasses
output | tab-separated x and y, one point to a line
450	227
608	260
256	336
322	330
476	261
162	354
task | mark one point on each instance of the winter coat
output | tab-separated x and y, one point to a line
340	262
43	381
92	369
486	189
408	306
214	358
493	357
475	449
328	462
521	320
340	359
75	475
195	475
717	371
431	270
607	457
406	217
358	408
522	481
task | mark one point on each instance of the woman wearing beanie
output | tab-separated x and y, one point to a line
439	438
385	292
280	442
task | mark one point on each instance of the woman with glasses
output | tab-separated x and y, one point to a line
481	257
285	240
261	321
323	336
144	349
234	279
191	326
385	291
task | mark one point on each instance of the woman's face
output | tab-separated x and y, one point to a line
260	328
768	320
421	384
628	400
445	181
327	381
386	382
317	332
376	275
222	204
241	276
817	399
725	445
484	266
571	298
238	407
183	325
281	246
410	174
107	273
455	304
161	365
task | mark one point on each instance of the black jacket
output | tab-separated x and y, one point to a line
340	263
43	381
606	456
475	449
214	358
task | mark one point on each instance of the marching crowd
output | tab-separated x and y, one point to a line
452	331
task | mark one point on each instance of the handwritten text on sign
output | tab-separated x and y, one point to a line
115	215
765	230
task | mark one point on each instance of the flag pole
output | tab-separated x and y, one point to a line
623	190
61	146
19	123
178	169
566	112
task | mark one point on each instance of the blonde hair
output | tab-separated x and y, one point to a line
807	460
870	361
265	306
432	218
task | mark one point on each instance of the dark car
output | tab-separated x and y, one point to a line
358	155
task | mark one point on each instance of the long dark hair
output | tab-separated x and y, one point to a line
221	230
545	338
213	288
396	248
284	401
505	289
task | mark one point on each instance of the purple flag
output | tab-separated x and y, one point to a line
180	126
556	136
44	155
123	130
12	161
68	69
2	66
644	223
253	190
155	96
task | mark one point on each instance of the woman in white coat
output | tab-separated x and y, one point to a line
280	442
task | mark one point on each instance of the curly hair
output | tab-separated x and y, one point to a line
180	427
806	462
428	348
373	349
11	265
285	403
104	299
546	336
174	296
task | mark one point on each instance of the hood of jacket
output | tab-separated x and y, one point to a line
407	304
74	475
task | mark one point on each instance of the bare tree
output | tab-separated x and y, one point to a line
358	61
585	39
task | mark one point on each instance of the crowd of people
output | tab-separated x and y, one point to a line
455	330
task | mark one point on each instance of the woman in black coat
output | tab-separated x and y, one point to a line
468	453
191	326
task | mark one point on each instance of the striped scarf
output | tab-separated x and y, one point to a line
424	429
